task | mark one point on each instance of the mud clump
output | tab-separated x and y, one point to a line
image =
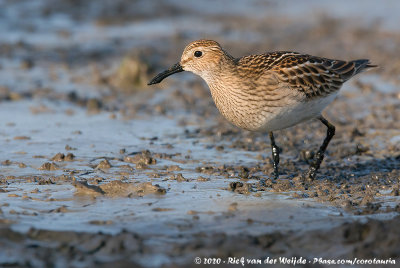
132	74
105	164
99	222
62	209
94	105
50	166
141	159
174	168
59	157
27	64
22	138
179	178
22	165
203	179
83	188
7	162
118	189
240	187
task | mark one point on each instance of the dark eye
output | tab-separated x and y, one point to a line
198	54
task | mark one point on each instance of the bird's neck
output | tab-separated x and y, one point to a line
224	86
222	74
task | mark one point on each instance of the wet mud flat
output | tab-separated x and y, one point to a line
98	169
92	200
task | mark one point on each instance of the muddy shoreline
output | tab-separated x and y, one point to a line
127	249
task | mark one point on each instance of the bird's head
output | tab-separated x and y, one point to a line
200	57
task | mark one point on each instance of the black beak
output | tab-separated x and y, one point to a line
176	68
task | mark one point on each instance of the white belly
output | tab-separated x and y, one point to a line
296	113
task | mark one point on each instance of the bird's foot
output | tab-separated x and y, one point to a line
310	174
275	175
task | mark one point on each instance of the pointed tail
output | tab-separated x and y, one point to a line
362	65
348	69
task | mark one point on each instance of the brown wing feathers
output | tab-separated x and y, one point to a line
314	76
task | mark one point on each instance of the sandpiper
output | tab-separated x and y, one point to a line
271	91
